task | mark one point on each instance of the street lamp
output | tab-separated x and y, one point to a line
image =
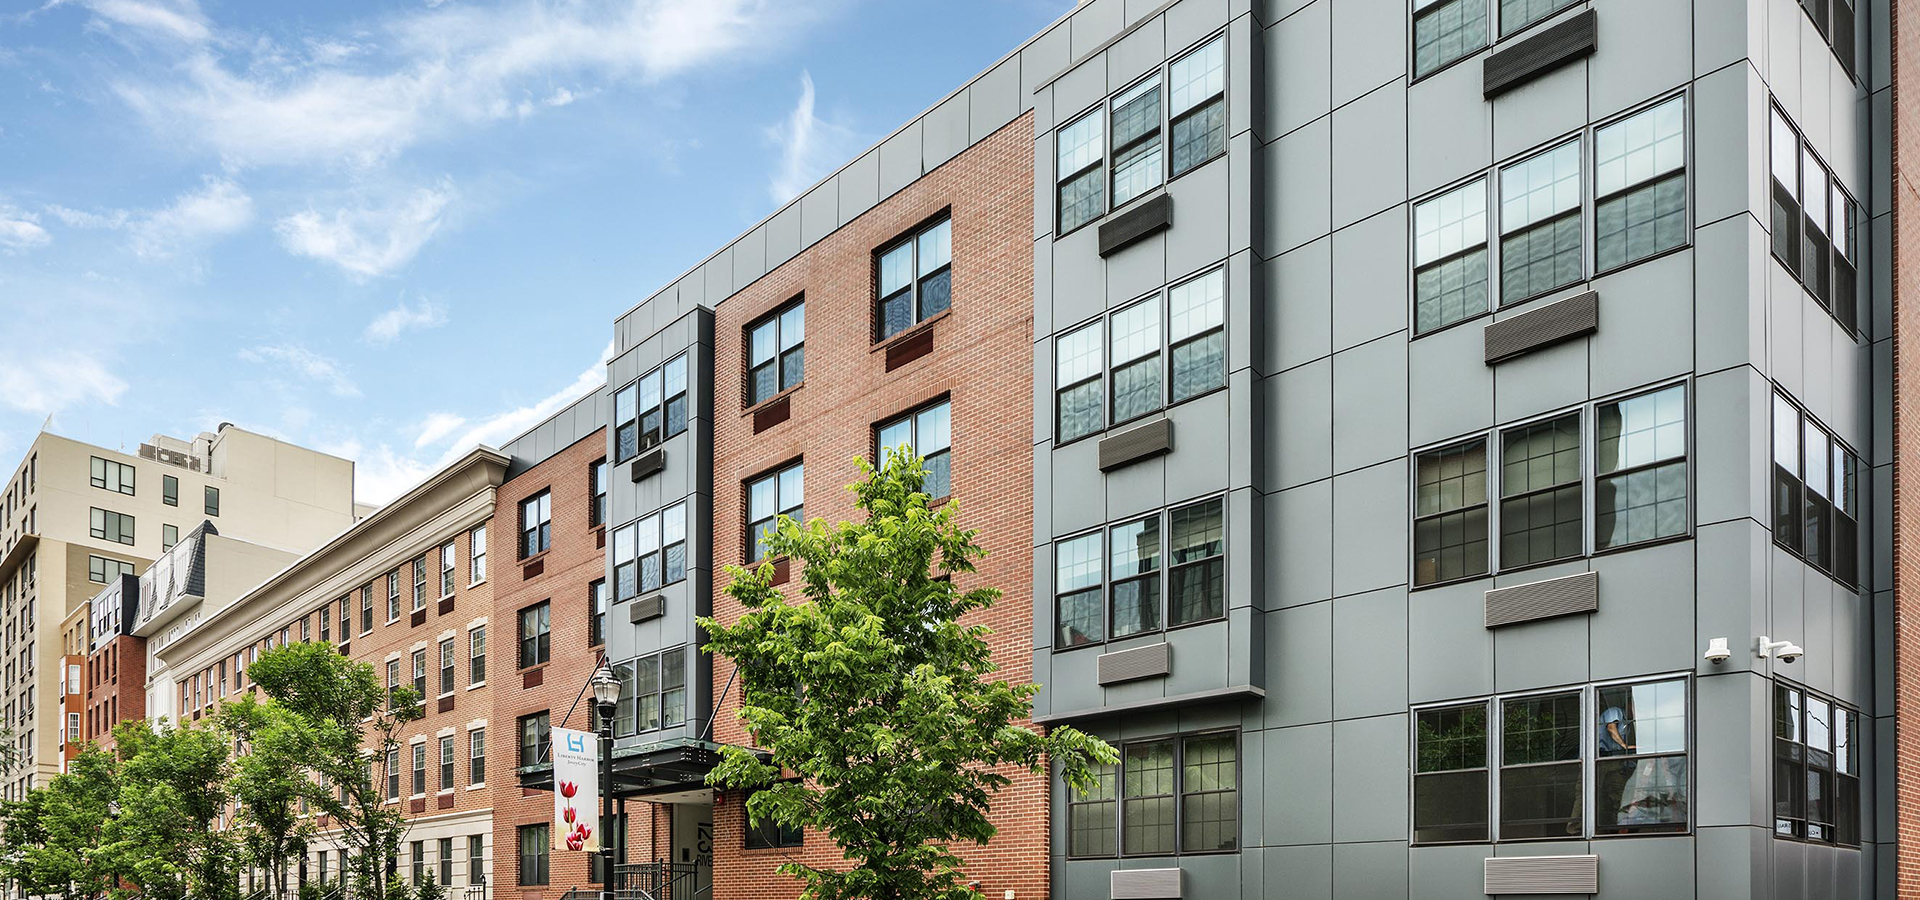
606	695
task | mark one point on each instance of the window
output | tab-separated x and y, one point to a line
326	624
476	859
447	667
1450	513
534	854
536	524
535	623
111	476
393	773
477	656
597	621
648	411
105	570
597	478
768	498
111	526
1450	257
535	738
1133	346
306	629
928	434
213	500
477	756
1137	164
1518	14
651	552
1082	184
776	356
1640	484
393	596
1186	567
1450	774
419	769
657	685
477	555
1198	105
446	569
916	278
446	763
419	675
393	683
1540	246
1816	781
1640	758
1077	371
1165	797
366	609
419	582
1640	184
1816	494
445	846
169	490
1540	492
768	835
1145	371
1813	224
1540	777
169	536
1445	31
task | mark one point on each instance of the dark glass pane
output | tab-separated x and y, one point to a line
1080	412
1846	293
939	480
936	293
676	415
1200	135
1846	810
1846	550
792	367
1818	530
1091	828
1642	222
1540	802
650	572
764	382
1540	527
1541	729
1789	787
1518	14
1450	806
1450	546
626	441
1842	35
896	313
1786	509
1136	606
1136	388
1136	117
1814	253
1784	221
1640	795
1199	366
1082	199
1641	505
1450	291
1148	788
1198	592
1540	258
1447	31
1079	620
1449	739
676	562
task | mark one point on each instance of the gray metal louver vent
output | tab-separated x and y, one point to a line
649	463
651	608
1144	884
1536	328
1578	593
1541	875
1552	48
1132	665
1150	216
1142	441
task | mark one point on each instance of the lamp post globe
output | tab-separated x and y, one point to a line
606	696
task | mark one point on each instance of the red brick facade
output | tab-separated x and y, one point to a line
1906	444
116	684
981	358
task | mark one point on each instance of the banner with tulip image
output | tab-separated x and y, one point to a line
576	794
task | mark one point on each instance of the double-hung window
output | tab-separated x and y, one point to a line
1450	257
777	494
1196	335
1640	184
366	607
597	617
536	738
393	596
1137	163
535	855
536	623
447	666
536	524
927	433
1540	246
650	552
446	763
1157	351
653	693
1445	31
916	278
1540	492
1816	503
169	490
326	624
1080	389
1640	469
477	555
477	756
393	774
1816	781
1081	192
212	500
1166	797
446	569
1450	774
1812	220
1163	570
108	475
650	410
1450	513
477	655
597	476
419	675
1133	343
419	778
776	352
1197	105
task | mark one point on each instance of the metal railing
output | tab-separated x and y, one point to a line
659	880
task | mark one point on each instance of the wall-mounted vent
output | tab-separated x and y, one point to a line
1144	884
1543	327
1553	47
1135	224
1542	875
1573	594
650	608
772	413
1121	666
650	463
1143	441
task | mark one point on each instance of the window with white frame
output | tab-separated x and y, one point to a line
650	552
927	433
446	569
477	555
1450	257
419	583
1159	571
916	277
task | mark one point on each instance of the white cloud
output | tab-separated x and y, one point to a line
809	146
388	325
20	230
307	363
437	426
78	218
48	383
219	208
379	473
368	241
180	21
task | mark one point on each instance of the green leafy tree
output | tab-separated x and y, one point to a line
50	839
161	841
872	688
334	707
269	784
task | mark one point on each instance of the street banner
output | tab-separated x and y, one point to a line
576	790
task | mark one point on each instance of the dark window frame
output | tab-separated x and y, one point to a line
632	434
1836	252
1166	348
651	685
536	855
212	498
630	562
1175	800
597	486
911	421
776	325
770	835
111	475
766	524
1793	760
169	490
1839	529
914	292
1439	516
597	612
536	647
1103	588
537	538
534	733
110	526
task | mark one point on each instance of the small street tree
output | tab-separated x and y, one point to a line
49	839
872	689
270	782
160	840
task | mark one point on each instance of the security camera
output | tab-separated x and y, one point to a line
1789	653
1717	651
1784	651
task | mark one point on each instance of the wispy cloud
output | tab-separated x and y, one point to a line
47	383
368	241
20	230
437	426
178	21
307	363
405	316
218	208
809	146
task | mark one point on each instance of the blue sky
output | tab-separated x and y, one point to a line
394	230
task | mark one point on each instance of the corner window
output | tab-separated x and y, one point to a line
1445	31
776	353
1816	502
169	490
1640	185
1816	781
1153	359
1166	797
1813	223
1540	246
536	622
651	552
110	526
650	410
1450	257
916	278
768	498
1450	513
108	475
1640	485
1165	570
928	434
536	524
213	500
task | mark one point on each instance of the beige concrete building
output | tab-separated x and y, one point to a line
73	517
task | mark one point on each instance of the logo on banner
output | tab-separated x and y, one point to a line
576	794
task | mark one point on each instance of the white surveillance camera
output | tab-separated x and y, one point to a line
1789	653
1784	651
1717	651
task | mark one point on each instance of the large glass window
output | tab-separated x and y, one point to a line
1540	505
928	434
1446	30
1640	485
1166	797
1540	766
650	410
536	623
1816	502
1518	14
1450	257
1640	758
1149	361
108	475
916	278
1450	774
650	552
1165	570
777	494
1137	163
108	525
105	570
1816	787
1640	184
1450	513
1082	156
1813	222
1197	105
1540	245
653	693
776	352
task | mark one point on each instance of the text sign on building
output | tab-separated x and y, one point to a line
576	794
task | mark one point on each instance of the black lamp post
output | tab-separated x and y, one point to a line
606	695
